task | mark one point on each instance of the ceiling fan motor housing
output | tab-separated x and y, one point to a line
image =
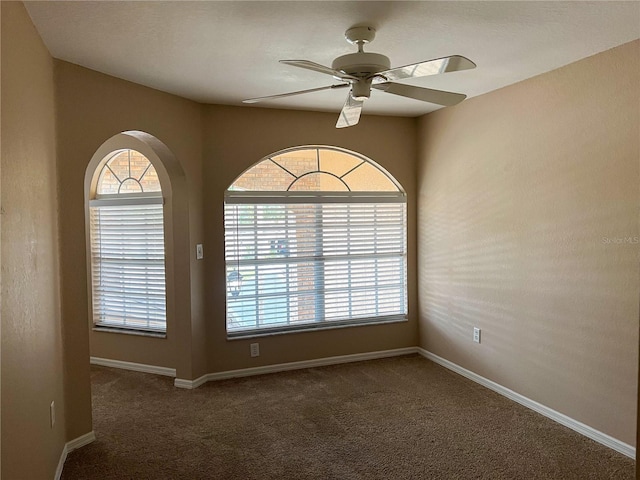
361	64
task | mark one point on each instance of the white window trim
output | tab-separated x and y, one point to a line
147	198
238	197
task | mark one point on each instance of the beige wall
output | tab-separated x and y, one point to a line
523	195
92	108
235	139
32	372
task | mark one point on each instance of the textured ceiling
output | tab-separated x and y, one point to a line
223	52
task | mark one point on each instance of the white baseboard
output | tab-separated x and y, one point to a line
561	418
69	447
81	441
283	367
136	367
190	384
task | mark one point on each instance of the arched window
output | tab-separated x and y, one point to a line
314	237
127	244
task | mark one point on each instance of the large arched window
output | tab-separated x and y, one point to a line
314	237
127	244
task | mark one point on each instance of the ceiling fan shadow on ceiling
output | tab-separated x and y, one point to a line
362	71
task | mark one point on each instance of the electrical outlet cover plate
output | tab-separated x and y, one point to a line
476	334
255	349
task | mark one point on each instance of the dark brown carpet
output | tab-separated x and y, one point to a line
398	418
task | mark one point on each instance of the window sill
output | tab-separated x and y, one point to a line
130	331
310	328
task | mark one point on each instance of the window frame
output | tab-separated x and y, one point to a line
288	197
97	200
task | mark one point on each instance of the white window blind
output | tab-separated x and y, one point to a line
308	260
127	263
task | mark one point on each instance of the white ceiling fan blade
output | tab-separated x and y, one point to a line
454	63
350	114
439	97
290	94
316	67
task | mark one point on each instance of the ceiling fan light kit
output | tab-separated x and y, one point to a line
365	70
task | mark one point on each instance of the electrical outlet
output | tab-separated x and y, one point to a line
476	334
52	413
255	349
199	252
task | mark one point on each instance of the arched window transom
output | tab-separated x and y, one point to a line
315	169
128	171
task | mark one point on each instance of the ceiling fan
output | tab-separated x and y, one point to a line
362	71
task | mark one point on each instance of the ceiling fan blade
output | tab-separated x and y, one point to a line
350	114
290	94
316	67
430	67
439	97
